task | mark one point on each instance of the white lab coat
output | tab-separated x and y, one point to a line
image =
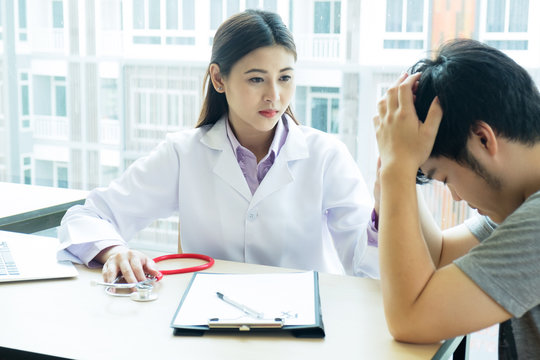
309	212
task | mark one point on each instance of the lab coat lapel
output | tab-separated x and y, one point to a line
280	174
226	166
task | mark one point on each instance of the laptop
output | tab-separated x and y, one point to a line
31	257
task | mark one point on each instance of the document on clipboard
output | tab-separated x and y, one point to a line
251	303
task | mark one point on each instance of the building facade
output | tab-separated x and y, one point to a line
88	86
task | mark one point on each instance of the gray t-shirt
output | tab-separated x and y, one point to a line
506	265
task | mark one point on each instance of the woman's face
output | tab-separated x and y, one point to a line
259	89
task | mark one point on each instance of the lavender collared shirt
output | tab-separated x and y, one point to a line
253	172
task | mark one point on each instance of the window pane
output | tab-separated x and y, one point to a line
58	15
252	4
319	114
153	14
28	177
25	100
495	15
62	177
415	15
270	5
337	17
233	7
394	12
22	14
138	14
42	103
403	44
172	14
321	19
519	19
108	99
188	15
334	126
60	100
216	11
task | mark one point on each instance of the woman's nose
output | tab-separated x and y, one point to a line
272	93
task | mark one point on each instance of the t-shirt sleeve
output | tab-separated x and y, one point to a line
505	263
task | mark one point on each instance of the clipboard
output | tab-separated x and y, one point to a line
273	302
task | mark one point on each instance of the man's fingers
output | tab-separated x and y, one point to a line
406	94
433	118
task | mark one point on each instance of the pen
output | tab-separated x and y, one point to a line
239	306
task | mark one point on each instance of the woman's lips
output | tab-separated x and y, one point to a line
268	113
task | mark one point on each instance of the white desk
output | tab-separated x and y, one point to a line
69	318
29	208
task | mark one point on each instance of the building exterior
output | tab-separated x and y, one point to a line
88	86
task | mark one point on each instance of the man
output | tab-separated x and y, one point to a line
471	119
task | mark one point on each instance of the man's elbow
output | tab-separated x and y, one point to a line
410	331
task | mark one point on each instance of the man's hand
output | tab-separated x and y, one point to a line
402	138
132	264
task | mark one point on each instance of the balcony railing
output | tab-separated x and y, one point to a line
47	40
109	131
51	127
326	47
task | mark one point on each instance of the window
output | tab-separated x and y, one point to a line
58	14
168	21
216	13
327	17
25	101
26	169
507	24
22	20
180	18
60	96
270	5
325	109
405	17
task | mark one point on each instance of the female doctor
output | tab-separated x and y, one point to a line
249	183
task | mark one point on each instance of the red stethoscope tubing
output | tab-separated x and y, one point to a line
207	265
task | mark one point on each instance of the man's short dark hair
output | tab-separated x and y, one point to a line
476	82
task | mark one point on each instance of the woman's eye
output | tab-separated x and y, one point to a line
256	80
286	78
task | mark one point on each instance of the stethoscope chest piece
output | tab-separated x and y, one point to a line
143	293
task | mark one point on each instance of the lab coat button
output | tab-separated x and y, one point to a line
252	215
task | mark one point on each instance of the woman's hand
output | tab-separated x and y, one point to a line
132	264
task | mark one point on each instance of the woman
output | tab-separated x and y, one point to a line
248	182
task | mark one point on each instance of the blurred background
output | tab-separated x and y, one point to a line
88	86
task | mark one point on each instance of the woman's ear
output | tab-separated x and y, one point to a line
484	137
217	79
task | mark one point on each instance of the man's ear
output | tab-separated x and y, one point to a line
217	79
483	137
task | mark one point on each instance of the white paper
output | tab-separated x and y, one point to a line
289	296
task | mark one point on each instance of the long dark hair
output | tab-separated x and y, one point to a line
236	37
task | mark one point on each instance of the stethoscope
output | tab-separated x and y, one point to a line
144	288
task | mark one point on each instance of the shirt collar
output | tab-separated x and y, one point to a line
277	142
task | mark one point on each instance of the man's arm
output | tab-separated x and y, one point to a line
444	246
423	302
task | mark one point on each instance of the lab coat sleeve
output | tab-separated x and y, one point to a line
148	190
348	206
